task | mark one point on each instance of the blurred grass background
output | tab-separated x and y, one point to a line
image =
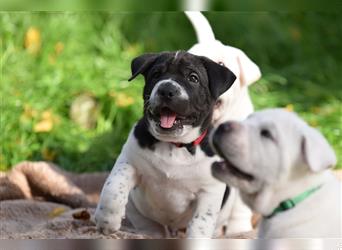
52	61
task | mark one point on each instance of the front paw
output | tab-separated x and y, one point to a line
107	220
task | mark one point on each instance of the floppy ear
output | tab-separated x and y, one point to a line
249	71
141	64
220	77
317	152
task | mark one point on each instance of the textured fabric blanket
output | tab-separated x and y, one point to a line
39	200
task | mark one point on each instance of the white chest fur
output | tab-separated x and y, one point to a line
170	178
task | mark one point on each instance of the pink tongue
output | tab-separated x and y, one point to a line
167	120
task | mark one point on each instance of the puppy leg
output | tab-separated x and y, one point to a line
240	219
114	197
203	223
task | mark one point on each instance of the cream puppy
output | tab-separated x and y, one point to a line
235	104
281	167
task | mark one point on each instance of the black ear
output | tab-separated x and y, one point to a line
141	64
220	78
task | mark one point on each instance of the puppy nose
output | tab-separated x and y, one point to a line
168	90
227	127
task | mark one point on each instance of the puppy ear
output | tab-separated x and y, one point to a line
249	71
220	77
142	64
317	152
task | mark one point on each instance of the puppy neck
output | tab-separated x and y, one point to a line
270	197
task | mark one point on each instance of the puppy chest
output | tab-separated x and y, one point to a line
166	202
172	164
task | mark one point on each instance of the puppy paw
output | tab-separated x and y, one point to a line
107	220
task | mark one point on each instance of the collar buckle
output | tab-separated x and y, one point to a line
288	204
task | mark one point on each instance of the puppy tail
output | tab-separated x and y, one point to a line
201	25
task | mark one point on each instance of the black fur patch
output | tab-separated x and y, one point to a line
225	196
144	137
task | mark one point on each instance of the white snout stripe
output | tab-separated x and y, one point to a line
183	94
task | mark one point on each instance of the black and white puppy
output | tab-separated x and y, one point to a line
162	178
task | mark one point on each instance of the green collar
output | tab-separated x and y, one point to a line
290	203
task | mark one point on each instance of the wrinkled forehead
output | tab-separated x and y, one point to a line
276	118
178	59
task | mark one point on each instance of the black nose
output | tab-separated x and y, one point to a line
226	127
168	90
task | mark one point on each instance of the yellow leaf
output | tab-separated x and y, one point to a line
48	155
313	123
123	100
316	110
295	33
56	212
289	107
47	115
59	47
43	126
46	123
32	40
29	112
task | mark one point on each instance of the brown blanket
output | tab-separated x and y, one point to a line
40	200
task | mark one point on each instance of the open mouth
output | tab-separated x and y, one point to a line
168	119
222	166
226	165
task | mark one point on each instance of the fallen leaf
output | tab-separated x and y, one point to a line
59	47
313	123
295	33
43	126
48	154
123	100
289	107
32	41
28	112
81	215
56	212
46	122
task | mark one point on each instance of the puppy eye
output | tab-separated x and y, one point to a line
221	63
193	77
266	134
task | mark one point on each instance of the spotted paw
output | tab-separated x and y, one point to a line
107	221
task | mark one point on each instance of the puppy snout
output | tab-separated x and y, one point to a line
227	127
168	91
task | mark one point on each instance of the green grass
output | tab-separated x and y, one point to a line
90	53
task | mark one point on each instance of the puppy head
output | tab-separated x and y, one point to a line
270	148
237	61
180	92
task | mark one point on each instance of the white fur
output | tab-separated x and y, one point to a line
235	102
283	168
183	94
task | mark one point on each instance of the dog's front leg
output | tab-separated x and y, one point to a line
203	223
114	197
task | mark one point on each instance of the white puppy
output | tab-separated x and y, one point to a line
235	103
281	167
